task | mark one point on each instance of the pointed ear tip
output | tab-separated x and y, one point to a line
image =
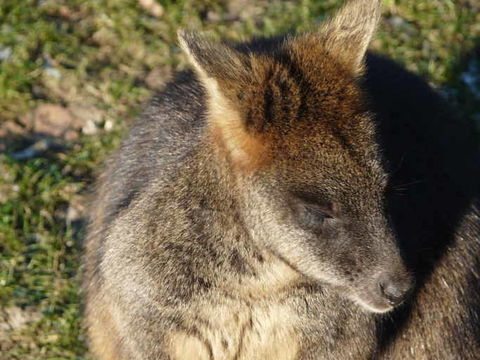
367	5
186	36
369	11
374	3
189	41
183	37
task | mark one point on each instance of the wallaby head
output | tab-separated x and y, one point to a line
295	132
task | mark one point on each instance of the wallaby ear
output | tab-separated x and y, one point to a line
223	72
348	34
212	59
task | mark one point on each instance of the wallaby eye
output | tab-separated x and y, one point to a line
311	215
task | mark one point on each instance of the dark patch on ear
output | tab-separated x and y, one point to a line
268	104
279	99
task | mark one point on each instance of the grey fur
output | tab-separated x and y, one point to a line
189	257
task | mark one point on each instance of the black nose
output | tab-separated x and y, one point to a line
395	290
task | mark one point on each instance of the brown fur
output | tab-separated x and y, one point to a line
249	214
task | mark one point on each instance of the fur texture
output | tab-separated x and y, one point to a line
272	203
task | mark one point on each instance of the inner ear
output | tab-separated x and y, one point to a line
227	77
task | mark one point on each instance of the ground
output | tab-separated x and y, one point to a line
73	73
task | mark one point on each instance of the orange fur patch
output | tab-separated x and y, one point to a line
246	151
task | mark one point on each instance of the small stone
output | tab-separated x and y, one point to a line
16	318
5	53
51	119
55	73
153	7
108	126
54	120
89	128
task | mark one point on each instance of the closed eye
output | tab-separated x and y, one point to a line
310	214
313	217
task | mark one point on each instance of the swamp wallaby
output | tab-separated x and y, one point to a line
274	202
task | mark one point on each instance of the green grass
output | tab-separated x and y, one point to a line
99	53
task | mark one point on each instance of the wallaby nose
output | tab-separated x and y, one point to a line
395	289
